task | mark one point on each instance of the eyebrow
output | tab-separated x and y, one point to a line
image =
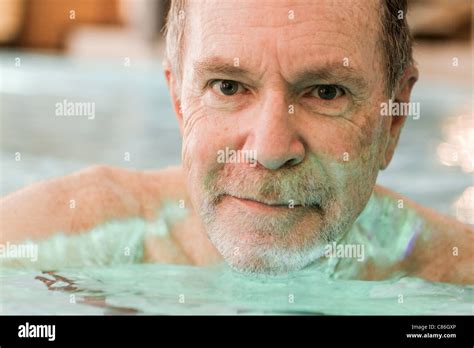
334	73
217	65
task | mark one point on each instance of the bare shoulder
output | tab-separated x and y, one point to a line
432	217
84	199
444	250
149	188
169	180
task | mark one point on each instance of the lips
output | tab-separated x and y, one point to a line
269	205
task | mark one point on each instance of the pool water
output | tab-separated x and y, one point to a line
173	289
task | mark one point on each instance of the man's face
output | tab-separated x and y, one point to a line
296	86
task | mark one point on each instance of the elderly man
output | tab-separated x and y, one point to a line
279	105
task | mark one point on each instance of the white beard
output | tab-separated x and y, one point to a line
256	243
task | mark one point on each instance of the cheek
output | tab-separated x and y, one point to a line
198	158
348	152
355	178
354	174
353	182
205	133
346	140
199	149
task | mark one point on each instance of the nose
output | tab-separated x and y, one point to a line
273	136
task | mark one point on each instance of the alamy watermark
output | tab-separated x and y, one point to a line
68	108
411	109
28	330
237	156
356	251
15	251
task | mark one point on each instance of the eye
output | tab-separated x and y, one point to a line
227	87
328	92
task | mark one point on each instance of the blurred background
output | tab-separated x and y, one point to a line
109	52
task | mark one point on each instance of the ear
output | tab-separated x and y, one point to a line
401	95
175	100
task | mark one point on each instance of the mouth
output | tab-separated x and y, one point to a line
269	206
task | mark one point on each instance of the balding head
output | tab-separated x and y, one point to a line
394	40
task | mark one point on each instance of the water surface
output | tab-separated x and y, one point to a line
173	289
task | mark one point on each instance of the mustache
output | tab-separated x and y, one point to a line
300	185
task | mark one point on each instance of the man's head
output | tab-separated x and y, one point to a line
296	87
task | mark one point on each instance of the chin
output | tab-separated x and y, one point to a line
274	243
265	258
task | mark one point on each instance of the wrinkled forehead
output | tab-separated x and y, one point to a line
291	32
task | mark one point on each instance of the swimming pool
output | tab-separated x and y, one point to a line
173	289
134	116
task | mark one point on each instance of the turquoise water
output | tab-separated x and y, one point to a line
172	289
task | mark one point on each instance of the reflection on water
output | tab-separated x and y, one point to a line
458	150
465	206
172	289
